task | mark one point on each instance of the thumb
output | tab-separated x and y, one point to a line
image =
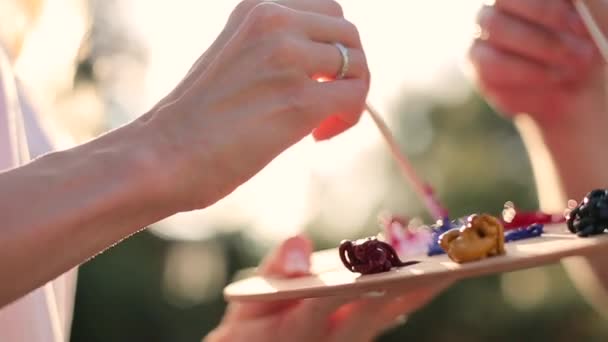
290	259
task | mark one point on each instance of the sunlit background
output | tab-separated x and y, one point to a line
141	49
93	65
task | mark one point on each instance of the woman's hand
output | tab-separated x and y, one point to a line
254	94
321	320
251	96
536	57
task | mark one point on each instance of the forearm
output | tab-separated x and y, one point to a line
65	207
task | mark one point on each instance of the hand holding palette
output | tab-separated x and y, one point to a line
525	240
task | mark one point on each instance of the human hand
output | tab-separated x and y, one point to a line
323	319
536	57
255	93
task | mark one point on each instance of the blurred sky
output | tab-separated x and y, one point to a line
410	44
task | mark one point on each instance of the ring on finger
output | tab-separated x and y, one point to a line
345	60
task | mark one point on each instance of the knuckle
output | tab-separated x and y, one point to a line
335	8
353	33
489	19
479	54
270	16
244	7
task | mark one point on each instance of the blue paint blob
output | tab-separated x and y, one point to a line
531	231
439	228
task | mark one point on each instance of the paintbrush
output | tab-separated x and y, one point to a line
594	29
424	191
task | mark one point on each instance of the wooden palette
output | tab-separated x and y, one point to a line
330	278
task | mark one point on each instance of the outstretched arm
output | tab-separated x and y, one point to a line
252	95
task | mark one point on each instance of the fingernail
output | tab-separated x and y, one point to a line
329	128
296	262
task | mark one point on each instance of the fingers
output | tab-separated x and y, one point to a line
353	322
319	7
331	127
514	84
327	29
558	15
312	317
326	7
309	39
412	301
291	48
512	100
325	61
238	15
529	46
290	259
269	17
497	67
287	50
531	42
337	124
519	36
342	109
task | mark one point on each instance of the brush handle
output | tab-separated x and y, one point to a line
424	190
594	29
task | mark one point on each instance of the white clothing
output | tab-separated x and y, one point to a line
45	314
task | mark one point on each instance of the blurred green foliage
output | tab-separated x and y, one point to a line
478	161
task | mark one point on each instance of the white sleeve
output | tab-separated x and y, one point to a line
64	286
45	314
